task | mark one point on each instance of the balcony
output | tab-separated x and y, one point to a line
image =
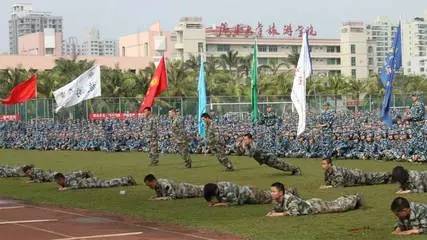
179	46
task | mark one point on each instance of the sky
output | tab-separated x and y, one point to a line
115	18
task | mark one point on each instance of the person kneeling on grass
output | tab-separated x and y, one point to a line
67	183
409	181
345	177
38	175
227	193
412	217
287	204
167	189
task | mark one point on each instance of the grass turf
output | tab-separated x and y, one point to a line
373	221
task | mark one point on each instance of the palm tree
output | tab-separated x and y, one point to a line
10	77
192	63
230	60
336	84
356	87
180	84
211	65
274	66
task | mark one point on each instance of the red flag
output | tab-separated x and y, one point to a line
158	84
22	92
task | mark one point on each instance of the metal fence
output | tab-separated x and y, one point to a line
45	108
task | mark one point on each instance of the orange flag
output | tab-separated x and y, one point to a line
158	84
22	92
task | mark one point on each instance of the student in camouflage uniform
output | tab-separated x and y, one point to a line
344	177
409	181
67	183
9	171
227	193
326	121
248	147
287	204
416	118
412	217
151	123
216	142
167	189
270	117
38	175
180	137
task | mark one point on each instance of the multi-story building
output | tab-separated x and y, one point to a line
152	43
47	43
95	46
380	36
190	38
414	43
71	47
24	20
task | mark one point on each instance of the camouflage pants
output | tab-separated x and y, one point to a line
222	156
416	143
100	183
184	152
187	190
372	178
6	172
341	204
153	153
280	164
260	196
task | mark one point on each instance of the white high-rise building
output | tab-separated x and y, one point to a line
380	35
95	46
24	20
415	45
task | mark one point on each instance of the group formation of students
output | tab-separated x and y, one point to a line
412	216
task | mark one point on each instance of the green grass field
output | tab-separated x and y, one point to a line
373	221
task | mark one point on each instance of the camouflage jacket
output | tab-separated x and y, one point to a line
417	182
293	205
170	189
213	135
327	118
178	129
417	111
341	177
238	195
151	126
417	218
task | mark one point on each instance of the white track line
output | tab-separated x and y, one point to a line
132	224
28	221
102	236
43	230
11	207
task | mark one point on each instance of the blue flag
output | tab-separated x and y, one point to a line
201	88
392	63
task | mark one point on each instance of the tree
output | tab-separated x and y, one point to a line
336	84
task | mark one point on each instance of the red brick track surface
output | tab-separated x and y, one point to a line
19	220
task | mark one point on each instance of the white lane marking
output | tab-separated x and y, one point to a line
11	207
102	236
28	221
43	230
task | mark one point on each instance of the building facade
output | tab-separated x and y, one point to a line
46	43
24	20
414	43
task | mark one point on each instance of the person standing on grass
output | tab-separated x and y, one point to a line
151	127
344	177
287	204
216	142
412	217
180	137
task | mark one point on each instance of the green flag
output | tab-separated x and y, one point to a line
254	84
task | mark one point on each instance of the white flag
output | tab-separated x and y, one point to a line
302	72
84	87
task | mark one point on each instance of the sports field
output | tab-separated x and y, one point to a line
373	221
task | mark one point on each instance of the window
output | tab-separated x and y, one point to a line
353	73
353	61
370	61
123	51
200	47
262	48
272	48
146	49
353	49
333	61
223	48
